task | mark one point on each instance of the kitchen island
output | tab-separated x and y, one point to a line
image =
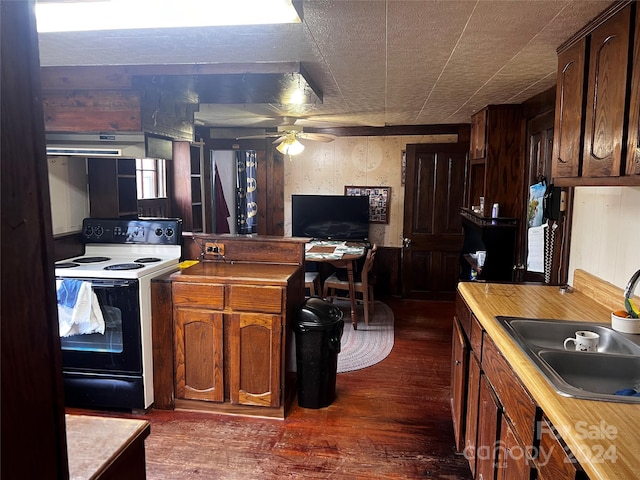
222	328
602	436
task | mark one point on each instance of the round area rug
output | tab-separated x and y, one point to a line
368	345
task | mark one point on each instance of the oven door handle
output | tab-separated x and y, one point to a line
107	283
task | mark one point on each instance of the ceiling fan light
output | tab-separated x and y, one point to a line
290	146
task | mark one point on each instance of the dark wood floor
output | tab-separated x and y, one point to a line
391	420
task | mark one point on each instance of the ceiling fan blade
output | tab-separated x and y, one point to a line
279	140
317	137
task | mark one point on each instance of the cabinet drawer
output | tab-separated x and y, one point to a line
464	314
518	406
254	298
198	295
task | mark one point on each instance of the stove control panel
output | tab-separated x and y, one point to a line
147	231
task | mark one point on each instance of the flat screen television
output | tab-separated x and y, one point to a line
330	217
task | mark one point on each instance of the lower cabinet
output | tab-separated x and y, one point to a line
225	355
473	403
554	460
459	369
513	459
505	433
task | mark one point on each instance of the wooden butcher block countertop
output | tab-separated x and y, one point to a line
236	272
609	447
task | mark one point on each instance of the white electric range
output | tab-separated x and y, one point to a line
109	364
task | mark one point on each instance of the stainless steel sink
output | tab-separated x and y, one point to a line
599	375
551	334
591	375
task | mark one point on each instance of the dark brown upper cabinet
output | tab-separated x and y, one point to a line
597	112
633	138
568	121
498	174
606	95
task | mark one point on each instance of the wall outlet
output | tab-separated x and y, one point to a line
216	249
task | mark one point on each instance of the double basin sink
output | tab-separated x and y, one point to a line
591	375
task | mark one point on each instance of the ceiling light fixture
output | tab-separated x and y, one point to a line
139	14
290	146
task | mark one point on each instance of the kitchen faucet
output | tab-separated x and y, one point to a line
628	293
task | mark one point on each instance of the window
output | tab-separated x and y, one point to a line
151	178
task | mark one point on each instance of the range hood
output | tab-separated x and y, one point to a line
129	145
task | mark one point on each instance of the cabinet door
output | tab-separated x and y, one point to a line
459	367
513	460
256	357
198	344
488	430
606	95
471	420
554	460
568	121
633	140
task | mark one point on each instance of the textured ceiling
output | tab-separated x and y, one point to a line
377	62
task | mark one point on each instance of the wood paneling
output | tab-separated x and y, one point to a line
162	342
92	111
33	425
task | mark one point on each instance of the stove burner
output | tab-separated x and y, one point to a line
91	259
67	265
148	260
124	266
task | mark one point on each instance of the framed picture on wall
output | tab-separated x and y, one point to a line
379	198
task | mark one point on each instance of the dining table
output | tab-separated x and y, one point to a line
340	254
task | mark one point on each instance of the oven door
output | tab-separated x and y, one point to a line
119	349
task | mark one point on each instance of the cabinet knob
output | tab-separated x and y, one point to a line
458	362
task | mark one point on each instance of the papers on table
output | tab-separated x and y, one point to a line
330	250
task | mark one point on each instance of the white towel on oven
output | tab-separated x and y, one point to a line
84	317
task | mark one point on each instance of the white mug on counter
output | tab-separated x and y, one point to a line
585	341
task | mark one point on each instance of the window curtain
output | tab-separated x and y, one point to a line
246	183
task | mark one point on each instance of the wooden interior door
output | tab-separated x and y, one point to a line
432	229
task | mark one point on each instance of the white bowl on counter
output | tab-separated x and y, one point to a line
625	324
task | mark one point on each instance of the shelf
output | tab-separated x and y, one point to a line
481	221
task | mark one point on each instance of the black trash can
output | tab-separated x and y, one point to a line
318	331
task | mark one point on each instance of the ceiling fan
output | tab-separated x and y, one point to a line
287	138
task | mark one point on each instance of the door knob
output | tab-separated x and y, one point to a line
406	242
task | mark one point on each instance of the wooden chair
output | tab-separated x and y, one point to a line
312	282
362	285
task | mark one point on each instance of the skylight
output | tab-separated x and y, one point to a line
140	14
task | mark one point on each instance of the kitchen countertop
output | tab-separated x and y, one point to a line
95	445
603	436
237	272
